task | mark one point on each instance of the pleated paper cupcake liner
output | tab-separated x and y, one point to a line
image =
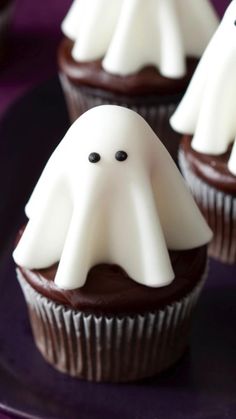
219	210
109	348
79	99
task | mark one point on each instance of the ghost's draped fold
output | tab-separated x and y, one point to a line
127	35
207	110
127	213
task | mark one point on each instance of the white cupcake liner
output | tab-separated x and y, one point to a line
109	348
218	208
80	99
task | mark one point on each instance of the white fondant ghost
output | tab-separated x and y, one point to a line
208	109
131	34
120	212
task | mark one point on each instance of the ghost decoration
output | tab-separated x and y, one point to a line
127	35
110	193
208	109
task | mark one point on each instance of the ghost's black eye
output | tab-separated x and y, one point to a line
94	157
235	22
121	155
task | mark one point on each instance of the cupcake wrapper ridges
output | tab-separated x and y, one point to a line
219	210
109	348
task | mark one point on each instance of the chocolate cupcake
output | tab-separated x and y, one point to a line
6	8
207	154
140	55
113	257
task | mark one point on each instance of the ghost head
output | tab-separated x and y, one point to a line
110	193
208	109
128	35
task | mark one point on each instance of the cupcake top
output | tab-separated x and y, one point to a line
208	109
129	35
110	193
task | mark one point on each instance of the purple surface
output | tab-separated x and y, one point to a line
35	33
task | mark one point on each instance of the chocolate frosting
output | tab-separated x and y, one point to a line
109	290
212	169
147	81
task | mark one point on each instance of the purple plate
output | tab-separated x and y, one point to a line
202	385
